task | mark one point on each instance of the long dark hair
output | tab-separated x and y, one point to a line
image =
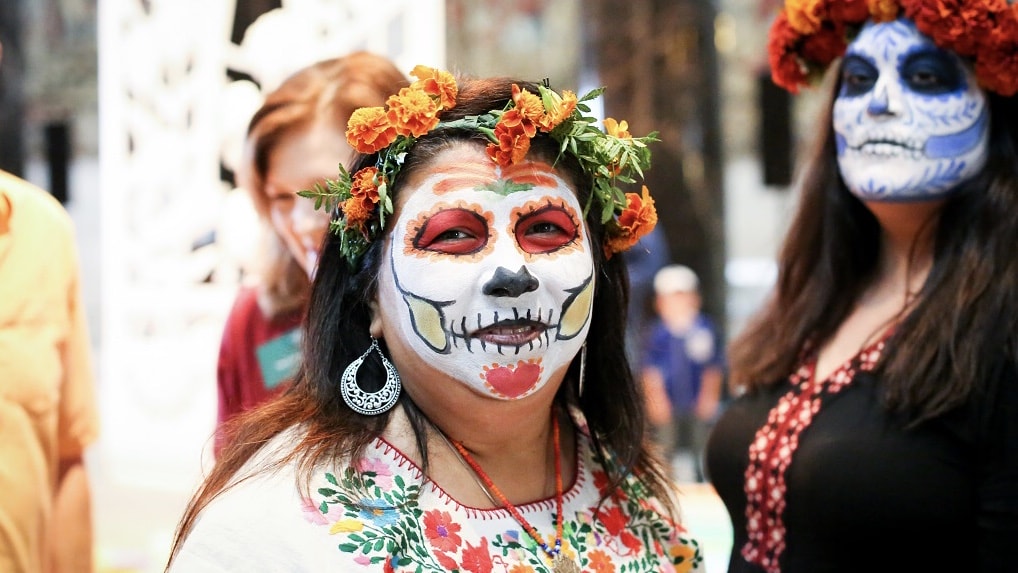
337	333
966	316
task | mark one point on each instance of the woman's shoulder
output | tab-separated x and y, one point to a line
260	523
271	517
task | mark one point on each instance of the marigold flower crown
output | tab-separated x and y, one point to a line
810	34
361	201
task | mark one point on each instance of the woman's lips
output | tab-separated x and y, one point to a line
510	332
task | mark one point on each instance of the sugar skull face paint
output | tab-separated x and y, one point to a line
491	274
910	120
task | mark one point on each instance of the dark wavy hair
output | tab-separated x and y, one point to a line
337	333
965	319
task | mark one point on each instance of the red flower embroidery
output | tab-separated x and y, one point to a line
613	519
441	531
477	559
448	563
600	481
631	542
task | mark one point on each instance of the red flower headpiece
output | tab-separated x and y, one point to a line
810	34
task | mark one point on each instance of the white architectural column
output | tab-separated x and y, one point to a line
168	117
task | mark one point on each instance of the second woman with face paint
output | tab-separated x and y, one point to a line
464	402
878	429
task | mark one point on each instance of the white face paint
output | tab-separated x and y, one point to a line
911	121
491	274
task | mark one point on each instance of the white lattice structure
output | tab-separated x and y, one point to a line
168	117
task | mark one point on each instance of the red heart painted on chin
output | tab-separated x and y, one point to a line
511	381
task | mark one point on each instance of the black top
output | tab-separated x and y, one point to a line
865	494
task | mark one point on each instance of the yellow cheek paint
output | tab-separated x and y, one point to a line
576	315
427	321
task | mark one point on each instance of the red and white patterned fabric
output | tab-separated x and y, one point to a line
774	445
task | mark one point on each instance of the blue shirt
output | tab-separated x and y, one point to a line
682	359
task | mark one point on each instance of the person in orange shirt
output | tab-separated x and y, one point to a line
48	414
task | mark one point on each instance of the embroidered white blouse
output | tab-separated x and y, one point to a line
382	515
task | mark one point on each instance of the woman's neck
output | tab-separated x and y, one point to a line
511	440
906	245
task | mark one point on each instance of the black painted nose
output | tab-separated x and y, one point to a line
508	283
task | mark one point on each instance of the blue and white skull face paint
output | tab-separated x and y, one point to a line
910	120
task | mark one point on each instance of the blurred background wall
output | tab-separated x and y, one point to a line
132	113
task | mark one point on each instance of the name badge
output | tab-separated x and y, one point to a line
278	358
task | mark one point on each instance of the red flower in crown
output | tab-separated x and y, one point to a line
808	35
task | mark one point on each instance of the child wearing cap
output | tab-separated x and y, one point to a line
681	367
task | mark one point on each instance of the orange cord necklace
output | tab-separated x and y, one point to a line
561	563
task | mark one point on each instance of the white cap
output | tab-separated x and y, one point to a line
675	278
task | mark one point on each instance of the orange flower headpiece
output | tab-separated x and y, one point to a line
610	157
809	34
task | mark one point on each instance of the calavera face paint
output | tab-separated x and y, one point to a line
911	122
492	274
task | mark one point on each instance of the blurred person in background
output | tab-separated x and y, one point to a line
48	414
294	141
682	367
646	257
878	430
464	400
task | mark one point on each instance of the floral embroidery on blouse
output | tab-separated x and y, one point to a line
775	443
383	514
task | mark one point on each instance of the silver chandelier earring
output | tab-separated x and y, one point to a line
583	369
370	403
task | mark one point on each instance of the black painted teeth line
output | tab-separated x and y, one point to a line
462	333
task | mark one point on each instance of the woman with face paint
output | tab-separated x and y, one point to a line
294	141
878	428
464	401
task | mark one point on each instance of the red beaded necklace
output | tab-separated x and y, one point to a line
561	563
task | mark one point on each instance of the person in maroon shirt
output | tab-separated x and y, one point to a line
295	141
878	428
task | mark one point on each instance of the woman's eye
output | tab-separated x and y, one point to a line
857	77
546	230
454	232
932	73
282	204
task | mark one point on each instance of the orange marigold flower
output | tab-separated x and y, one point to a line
559	108
511	147
515	120
437	83
619	129
528	105
805	16
883	10
356	212
822	48
958	25
637	219
364	186
786	70
413	112
997	66
848	11
369	130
